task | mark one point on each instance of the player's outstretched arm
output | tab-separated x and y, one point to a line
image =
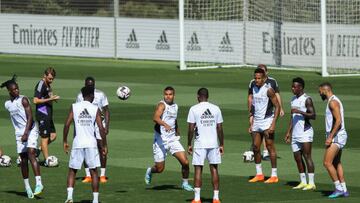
67	124
29	119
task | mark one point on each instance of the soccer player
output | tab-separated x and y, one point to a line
101	101
44	99
336	137
85	116
263	124
273	83
166	139
26	133
205	120
300	133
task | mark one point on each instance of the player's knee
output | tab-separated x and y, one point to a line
327	164
159	168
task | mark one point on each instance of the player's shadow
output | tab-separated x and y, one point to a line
165	187
325	193
202	200
85	201
292	183
23	194
121	191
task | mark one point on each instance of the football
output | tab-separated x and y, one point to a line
5	161
123	92
52	161
248	156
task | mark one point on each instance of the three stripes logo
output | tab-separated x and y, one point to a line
193	44
225	44
207	114
84	114
132	42
162	43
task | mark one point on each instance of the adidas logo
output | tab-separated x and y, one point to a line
207	114
84	114
193	44
162	43
132	41
225	44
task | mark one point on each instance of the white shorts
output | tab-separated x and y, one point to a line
97	131
21	147
160	149
297	142
340	140
261	125
90	155
211	154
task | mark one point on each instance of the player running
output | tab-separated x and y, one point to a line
166	139
205	120
26	134
101	101
336	137
300	133
263	124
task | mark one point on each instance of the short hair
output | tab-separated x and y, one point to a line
300	81
87	91
169	88
90	78
7	83
203	92
326	84
262	66
50	70
259	70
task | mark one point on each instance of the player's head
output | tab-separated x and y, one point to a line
90	81
325	90
259	77
88	93
49	75
202	94
11	86
298	85
264	67
169	94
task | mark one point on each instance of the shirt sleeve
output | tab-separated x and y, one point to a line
79	98
275	86
219	118
251	85
104	101
38	90
191	116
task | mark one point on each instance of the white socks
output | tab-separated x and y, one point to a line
274	172
197	194
38	180
87	172
70	192
338	185
216	194
303	178
311	178
343	185
185	181
26	182
96	197
258	169
102	171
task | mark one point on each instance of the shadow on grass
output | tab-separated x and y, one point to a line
292	183
325	193
84	201
121	191
23	194
202	200
165	187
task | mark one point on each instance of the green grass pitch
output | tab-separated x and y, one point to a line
131	131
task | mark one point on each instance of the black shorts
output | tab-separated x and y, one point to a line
46	125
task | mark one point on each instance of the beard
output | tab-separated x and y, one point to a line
323	97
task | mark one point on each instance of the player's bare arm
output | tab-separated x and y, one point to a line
278	97
287	138
29	119
41	101
102	132
275	102
107	118
220	134
190	137
310	110
335	111
67	124
160	108
177	128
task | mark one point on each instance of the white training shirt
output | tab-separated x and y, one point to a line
84	119
329	117
206	116
18	116
169	116
299	124
100	99
263	107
